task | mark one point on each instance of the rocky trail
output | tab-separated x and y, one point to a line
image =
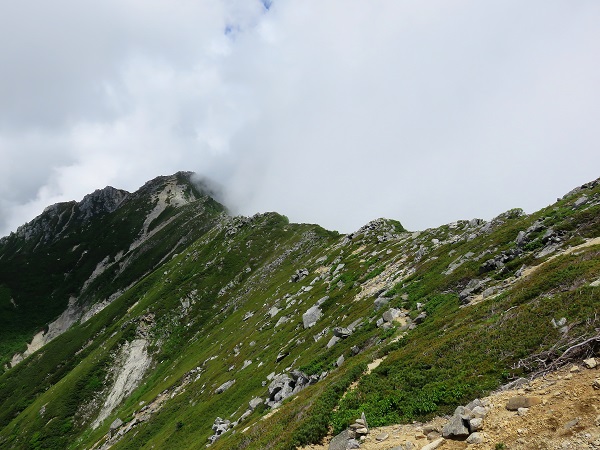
564	413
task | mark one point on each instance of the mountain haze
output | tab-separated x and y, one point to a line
155	319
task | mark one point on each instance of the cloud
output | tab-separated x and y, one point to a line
331	112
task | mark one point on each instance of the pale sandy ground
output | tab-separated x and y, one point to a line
568	417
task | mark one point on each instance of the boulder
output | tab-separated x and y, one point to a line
457	427
475	424
391	314
475	438
219	427
280	388
224	387
341	332
299	275
311	316
340	441
420	318
116	424
334	340
590	363
253	404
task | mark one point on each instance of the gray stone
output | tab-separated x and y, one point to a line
252	404
474	403
334	340
310	317
280	388
456	427
475	424
299	275
341	332
391	314
352	443
340	361
420	318
580	201
478	411
340	441
475	438
224	387
381	437
116	424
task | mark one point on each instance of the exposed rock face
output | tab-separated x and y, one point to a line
101	201
71	315
135	362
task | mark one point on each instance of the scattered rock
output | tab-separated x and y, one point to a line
341	332
596	384
475	438
391	314
381	437
420	318
220	426
475	424
590	363
340	441
334	340
310	317
431	446
299	275
281	355
224	387
340	361
457	426
252	404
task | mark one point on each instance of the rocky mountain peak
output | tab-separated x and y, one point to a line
101	201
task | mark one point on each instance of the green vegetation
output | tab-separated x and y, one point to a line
214	298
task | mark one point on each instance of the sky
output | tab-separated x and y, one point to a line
334	112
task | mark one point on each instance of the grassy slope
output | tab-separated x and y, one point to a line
455	355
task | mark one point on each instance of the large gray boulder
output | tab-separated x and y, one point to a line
340	441
457	427
310	317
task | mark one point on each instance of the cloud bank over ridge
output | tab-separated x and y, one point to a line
333	112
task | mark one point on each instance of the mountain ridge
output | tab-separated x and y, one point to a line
209	313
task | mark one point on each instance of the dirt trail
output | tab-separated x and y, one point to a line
568	417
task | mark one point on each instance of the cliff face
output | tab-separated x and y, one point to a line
154	318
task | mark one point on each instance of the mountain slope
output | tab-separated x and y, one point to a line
80	254
267	324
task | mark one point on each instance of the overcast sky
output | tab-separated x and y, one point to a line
333	112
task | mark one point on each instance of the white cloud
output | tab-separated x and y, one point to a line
333	112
